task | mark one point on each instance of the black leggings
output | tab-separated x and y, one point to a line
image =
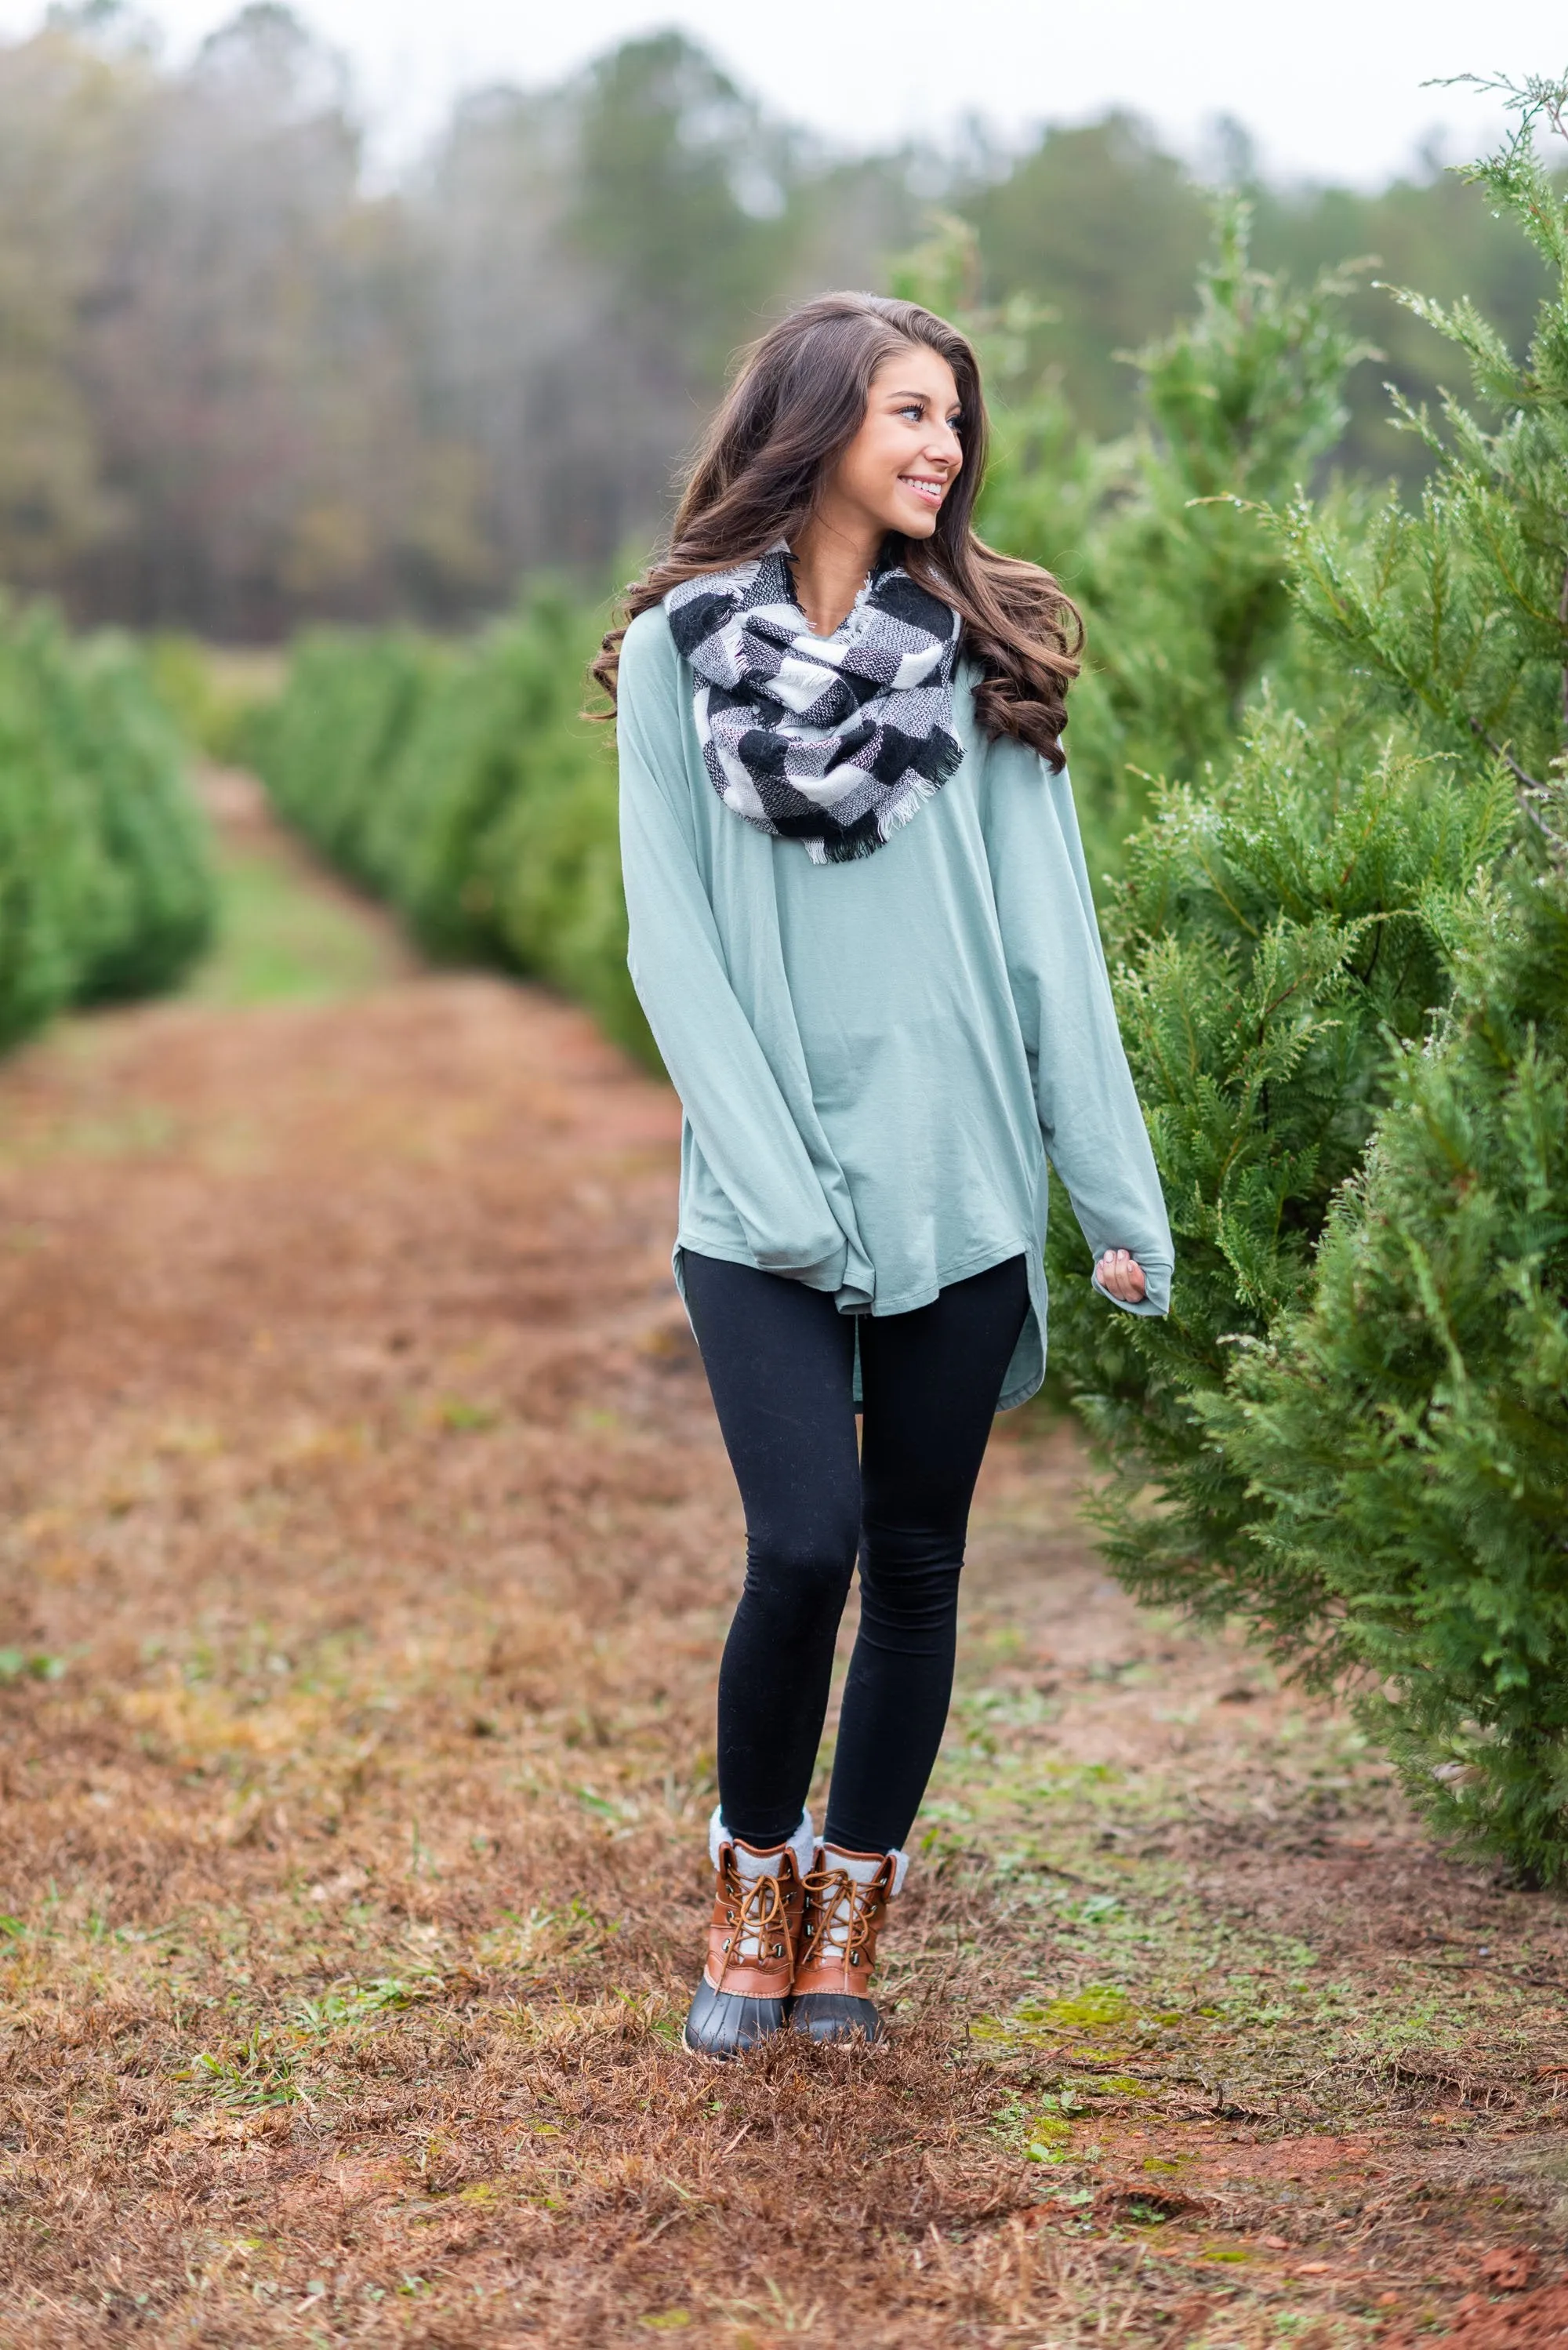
780	1362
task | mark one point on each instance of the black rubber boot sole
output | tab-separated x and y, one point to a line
726	2024
828	2015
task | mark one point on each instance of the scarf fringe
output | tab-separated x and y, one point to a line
847	847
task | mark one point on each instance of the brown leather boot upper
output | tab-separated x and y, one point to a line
756	1929
841	1922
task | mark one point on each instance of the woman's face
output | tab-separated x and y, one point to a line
898	468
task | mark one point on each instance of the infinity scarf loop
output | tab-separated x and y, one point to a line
831	741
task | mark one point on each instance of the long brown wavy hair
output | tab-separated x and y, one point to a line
797	401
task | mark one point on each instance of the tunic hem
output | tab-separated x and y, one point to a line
1025	1372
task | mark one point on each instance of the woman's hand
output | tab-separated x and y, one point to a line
1121	1275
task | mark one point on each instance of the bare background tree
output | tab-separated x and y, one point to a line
242	384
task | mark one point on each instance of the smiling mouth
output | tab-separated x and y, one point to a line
925	486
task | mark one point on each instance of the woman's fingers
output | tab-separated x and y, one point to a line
1121	1273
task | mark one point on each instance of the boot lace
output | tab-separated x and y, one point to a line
754	1913
843	1917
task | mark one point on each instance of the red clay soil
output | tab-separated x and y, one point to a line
1522	2322
366	1551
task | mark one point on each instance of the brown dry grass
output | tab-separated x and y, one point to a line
368	1548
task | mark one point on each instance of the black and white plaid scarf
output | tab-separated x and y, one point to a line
831	741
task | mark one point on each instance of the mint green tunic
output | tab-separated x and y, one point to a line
877	1058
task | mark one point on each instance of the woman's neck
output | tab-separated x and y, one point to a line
829	562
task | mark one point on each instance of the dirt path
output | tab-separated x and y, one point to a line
367	1548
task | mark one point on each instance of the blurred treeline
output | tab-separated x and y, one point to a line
243	383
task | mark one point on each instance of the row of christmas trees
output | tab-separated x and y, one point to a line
107	887
1341	934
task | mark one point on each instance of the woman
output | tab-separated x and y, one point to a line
862	932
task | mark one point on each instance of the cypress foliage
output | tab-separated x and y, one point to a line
324	744
158	905
1407	1435
1186	593
1457	608
1272	935
53	872
105	886
466	788
1353	1423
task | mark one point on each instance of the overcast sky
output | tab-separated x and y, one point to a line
1331	91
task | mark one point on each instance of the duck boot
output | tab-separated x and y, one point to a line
847	1897
754	1940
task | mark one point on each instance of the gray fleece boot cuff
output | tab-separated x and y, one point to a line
803	1843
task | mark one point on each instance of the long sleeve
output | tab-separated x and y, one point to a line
737	1114
1090	1121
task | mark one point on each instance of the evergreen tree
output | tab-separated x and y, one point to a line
1361	1450
1272	933
1157	536
464	785
105	884
1458	606
1405	1440
1406	1437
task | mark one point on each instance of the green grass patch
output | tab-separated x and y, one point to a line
283	938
